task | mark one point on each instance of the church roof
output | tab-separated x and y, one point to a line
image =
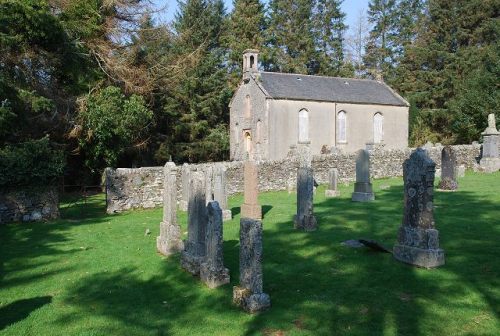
330	89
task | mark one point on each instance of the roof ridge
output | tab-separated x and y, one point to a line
318	76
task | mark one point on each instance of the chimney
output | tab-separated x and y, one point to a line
250	62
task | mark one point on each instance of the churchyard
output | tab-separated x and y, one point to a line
90	273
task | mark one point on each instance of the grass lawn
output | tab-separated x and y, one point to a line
95	274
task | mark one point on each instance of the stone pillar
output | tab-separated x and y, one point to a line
363	188
418	239
194	246
333	176
212	270
169	241
304	219
250	207
185	177
448	169
249	294
490	161
220	194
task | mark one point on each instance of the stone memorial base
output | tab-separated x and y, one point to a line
250	302
427	258
363	192
332	193
490	165
227	215
307	223
212	277
448	185
191	263
168	247
253	211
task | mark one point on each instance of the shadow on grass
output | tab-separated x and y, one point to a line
20	309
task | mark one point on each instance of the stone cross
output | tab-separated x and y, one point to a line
304	219
250	207
490	161
333	176
418	239
212	270
363	188
220	194
448	169
249	294
185	177
169	241
194	246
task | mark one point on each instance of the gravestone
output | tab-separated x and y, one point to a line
250	207
249	294
333	176
490	161
418	239
305	219
185	177
363	191
209	184
448	169
461	171
212	270
194	246
220	194
169	241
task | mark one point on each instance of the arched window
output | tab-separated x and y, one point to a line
248	107
341	127
303	125
378	127
252	61
248	142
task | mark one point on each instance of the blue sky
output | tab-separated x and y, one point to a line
350	7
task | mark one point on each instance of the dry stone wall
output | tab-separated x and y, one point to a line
129	188
29	204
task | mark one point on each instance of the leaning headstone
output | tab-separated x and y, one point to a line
220	194
363	191
194	246
185	177
169	241
333	177
212	270
249	294
448	169
418	239
490	161
305	219
250	207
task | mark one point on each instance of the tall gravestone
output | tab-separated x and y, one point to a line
251	207
194	247
363	191
305	219
212	270
249	294
185	178
333	177
490	161
418	239
449	169
220	193
209	184
169	241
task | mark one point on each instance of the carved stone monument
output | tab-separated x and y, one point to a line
250	207
333	176
169	241
212	270
363	191
304	219
418	239
490	161
185	177
449	170
220	194
249	294
194	247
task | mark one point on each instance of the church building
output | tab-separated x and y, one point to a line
270	113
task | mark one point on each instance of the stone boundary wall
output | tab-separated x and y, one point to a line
29	204
129	188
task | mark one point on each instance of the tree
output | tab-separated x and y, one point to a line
356	42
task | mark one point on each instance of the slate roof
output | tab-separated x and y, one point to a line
329	89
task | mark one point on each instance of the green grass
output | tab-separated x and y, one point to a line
94	274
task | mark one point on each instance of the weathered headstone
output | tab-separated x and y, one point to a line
250	207
418	239
220	194
185	177
363	191
194	246
212	270
249	294
305	219
448	169
461	171
209	184
490	161
169	241
333	176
